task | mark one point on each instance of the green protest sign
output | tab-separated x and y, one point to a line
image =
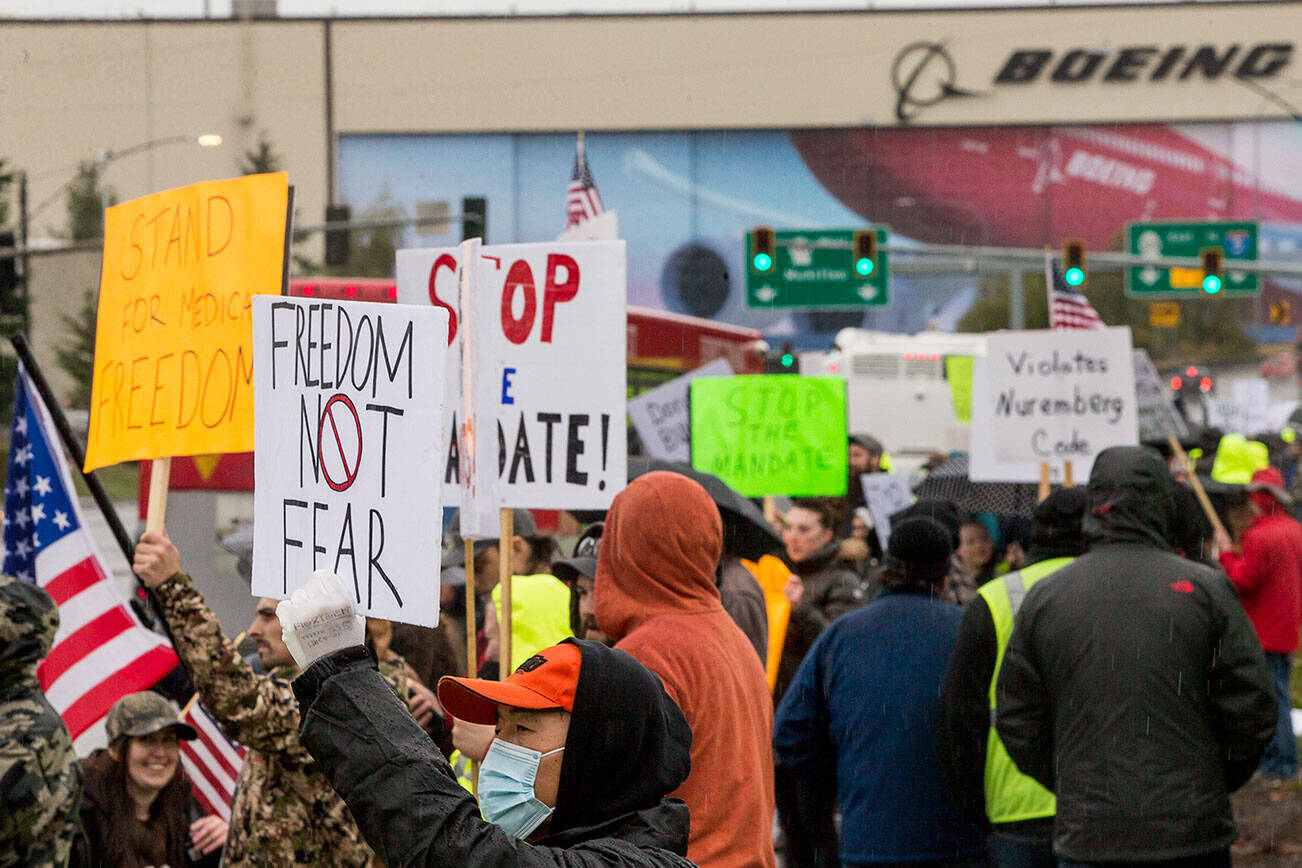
771	434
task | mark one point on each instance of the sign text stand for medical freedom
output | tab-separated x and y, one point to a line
173	355
548	375
348	398
1051	398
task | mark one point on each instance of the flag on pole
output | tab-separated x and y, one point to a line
583	202
1068	306
101	652
212	761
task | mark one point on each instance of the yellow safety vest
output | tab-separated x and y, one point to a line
540	614
1010	795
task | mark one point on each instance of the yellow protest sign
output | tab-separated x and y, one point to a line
173	344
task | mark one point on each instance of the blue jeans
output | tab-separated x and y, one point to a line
1216	859
1022	848
1280	758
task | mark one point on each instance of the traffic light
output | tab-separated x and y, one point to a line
783	362
1073	261
762	245
11	295
337	241
865	251
474	217
1213	261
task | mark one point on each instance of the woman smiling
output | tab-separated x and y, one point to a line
138	810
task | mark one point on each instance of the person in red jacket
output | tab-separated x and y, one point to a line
656	597
1267	573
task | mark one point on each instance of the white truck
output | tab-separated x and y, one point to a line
898	387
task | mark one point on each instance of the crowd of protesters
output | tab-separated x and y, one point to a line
1082	687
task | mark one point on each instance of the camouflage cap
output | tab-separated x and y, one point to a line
28	622
145	713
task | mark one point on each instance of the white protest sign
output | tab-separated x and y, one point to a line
1157	415
1252	395
983	466
347	401
1062	395
886	494
660	414
1225	415
552	331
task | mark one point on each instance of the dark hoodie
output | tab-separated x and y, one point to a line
1133	685
656	597
40	779
627	746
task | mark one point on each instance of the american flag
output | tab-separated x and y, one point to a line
1068	306
212	761
101	652
583	202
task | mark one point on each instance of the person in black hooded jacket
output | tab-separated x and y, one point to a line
1133	685
611	745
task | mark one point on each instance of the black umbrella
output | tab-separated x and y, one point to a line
950	481
745	531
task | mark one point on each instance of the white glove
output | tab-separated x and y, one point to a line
319	619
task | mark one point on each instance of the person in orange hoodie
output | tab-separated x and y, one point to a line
656	597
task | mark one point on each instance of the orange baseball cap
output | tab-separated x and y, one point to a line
546	680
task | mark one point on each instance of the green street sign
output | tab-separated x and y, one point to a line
817	269
1188	239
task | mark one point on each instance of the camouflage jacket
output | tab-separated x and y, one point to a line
40	778
285	811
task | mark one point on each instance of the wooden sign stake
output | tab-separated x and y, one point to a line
504	572
472	645
160	476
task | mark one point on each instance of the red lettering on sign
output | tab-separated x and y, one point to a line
519	277
444	261
554	293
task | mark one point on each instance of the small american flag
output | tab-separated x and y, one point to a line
1068	306
212	761
583	202
101	652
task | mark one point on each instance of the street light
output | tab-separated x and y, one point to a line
203	140
108	155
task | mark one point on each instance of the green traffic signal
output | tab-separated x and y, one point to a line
864	266
1212	284
762	262
788	360
1074	276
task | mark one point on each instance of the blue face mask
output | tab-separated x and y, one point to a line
506	796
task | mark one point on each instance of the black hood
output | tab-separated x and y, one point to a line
1057	530
628	745
1132	498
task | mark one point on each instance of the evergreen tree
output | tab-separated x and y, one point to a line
261	159
86	203
76	355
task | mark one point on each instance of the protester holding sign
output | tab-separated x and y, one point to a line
657	598
588	746
284	811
